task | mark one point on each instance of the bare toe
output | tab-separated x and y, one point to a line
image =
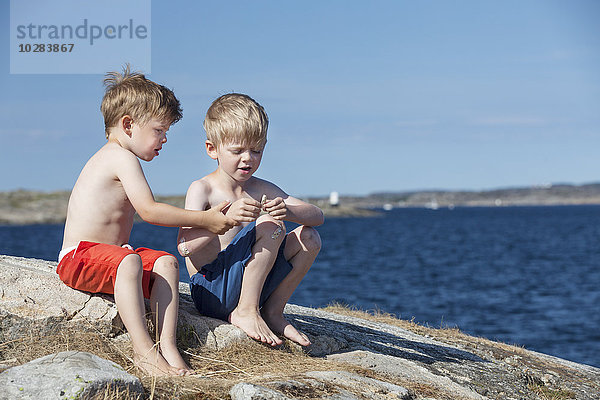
281	325
254	326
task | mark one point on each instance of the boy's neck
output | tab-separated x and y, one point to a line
116	136
115	140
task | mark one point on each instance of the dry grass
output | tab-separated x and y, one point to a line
247	361
32	346
545	393
447	334
216	371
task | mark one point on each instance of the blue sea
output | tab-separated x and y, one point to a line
522	275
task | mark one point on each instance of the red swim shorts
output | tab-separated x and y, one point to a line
92	267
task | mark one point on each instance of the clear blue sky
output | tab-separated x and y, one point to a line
362	96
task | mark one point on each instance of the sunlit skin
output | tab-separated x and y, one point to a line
234	181
109	191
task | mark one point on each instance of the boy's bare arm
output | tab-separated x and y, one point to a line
192	239
300	212
282	206
138	192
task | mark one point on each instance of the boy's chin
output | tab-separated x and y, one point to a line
146	157
242	178
246	176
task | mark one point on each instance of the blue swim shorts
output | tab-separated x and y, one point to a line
216	288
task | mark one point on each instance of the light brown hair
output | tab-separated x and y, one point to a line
236	118
130	93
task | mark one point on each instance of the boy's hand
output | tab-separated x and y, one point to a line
245	209
276	208
217	221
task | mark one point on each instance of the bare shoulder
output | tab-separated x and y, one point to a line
200	186
197	197
270	189
105	164
112	157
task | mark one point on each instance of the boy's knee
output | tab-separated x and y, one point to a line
310	239
167	262
269	226
131	264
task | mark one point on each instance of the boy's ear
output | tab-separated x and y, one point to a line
126	124
211	149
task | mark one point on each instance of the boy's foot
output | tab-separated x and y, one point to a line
281	325
254	326
154	364
173	357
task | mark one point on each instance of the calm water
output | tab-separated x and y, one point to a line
524	275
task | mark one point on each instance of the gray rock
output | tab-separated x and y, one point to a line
249	391
346	385
29	290
34	300
343	333
475	371
66	375
342	395
368	388
405	370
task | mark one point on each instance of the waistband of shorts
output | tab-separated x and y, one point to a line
67	250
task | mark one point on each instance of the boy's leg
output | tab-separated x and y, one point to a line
129	299
301	248
246	315
164	302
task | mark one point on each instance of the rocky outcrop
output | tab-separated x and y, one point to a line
479	369
395	362
347	386
34	300
66	375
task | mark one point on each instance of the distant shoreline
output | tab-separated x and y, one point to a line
548	195
24	207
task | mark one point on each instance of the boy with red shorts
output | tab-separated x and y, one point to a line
95	256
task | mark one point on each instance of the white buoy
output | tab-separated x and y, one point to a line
334	199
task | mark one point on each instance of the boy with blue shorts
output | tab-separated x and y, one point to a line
247	275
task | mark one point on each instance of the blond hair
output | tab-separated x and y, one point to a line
130	93
236	118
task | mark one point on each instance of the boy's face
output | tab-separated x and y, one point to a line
240	161
148	139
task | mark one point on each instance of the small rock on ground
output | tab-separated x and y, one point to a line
66	375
